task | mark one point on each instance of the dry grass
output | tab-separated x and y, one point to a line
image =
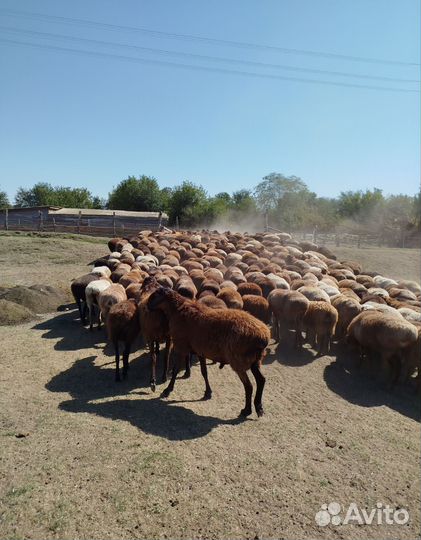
84	457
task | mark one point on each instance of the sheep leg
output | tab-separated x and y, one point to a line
275	328
298	335
117	362
166	359
248	388
153	347
126	359
79	306
204	371
84	313
175	370
187	373
260	382
91	317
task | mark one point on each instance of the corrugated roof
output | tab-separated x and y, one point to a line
95	212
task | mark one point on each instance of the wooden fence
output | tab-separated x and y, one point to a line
106	226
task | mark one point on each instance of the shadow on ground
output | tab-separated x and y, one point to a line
71	335
364	387
87	382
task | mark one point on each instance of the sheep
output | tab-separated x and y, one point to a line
257	306
154	329
186	287
347	309
314	293
212	302
108	297
249	288
288	309
389	336
101	271
227	336
92	292
78	288
321	319
231	297
122	325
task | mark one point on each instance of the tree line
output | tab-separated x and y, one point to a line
285	202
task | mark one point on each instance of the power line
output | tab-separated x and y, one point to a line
203	57
202	68
189	37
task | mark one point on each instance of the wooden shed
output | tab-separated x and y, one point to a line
83	221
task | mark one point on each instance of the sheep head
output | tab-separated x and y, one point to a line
158	297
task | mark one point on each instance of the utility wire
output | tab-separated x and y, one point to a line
47	35
201	68
214	41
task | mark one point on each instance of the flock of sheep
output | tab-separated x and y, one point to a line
214	295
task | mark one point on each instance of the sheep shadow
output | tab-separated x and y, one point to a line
361	387
72	336
87	382
286	354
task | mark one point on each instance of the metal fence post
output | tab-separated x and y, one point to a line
114	223
6	219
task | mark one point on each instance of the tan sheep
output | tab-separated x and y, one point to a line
320	320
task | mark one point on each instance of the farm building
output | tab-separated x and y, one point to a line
83	221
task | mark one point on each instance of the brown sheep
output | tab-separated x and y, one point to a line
288	309
231	297
154	329
122	325
226	336
212	302
320	320
347	308
257	306
249	288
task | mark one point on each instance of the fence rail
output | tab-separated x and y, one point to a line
90	227
408	240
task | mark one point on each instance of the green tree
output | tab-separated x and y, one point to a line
275	186
4	201
188	202
44	194
359	203
140	194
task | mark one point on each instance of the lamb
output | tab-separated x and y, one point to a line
226	336
320	319
113	294
288	309
92	292
122	325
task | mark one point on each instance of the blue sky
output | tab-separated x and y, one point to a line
87	120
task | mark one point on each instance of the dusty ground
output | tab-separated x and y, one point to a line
84	457
391	262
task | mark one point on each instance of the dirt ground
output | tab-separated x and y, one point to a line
85	457
395	263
